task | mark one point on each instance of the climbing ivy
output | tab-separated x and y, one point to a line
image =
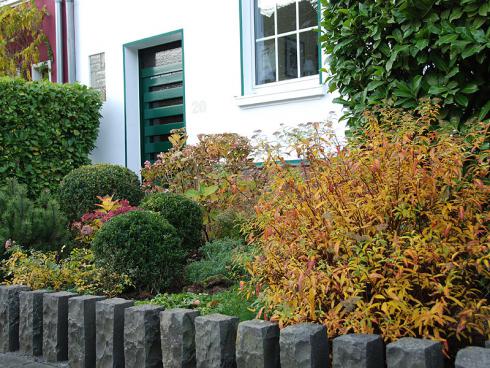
396	52
21	36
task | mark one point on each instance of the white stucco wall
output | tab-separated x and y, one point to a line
212	70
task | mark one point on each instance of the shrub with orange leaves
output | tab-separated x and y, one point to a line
389	234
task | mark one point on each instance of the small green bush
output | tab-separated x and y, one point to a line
79	189
38	225
221	262
46	131
183	213
142	245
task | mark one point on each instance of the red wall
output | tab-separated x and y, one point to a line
49	27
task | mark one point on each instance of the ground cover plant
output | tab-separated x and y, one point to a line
80	188
47	130
222	263
76	272
387	235
231	302
396	52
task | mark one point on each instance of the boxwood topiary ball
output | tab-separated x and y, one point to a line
142	245
182	212
79	189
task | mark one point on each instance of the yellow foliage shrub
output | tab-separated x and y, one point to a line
77	273
387	235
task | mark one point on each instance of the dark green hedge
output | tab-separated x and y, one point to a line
46	130
401	51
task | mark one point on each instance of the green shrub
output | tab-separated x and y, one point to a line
46	131
221	262
184	214
142	245
33	224
401	51
79	189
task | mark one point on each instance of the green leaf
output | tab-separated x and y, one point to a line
484	111
461	100
469	89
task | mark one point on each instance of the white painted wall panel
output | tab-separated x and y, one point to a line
212	69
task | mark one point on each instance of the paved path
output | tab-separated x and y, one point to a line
15	360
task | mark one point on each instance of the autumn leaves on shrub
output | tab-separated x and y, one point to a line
387	235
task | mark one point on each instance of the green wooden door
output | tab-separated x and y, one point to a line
161	97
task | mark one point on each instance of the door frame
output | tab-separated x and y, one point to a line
132	114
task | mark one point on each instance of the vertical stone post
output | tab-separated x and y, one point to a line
473	357
31	322
215	341
410	352
9	317
304	346
55	326
358	351
257	344
142	345
109	336
177	337
81	331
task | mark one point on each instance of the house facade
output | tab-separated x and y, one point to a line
209	66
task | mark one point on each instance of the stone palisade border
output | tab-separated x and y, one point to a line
91	331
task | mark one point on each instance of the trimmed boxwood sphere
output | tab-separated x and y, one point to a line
182	212
142	245
79	189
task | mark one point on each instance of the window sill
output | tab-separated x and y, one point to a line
277	98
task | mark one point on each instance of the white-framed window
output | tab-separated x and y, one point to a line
285	40
41	71
281	57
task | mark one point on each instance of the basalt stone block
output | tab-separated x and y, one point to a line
31	322
81	331
215	341
473	357
142	345
55	326
257	344
177	338
304	346
358	351
109	336
409	352
9	317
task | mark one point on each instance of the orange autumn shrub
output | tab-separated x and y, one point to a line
386	235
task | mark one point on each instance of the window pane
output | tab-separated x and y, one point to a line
286	16
288	57
264	18
309	53
265	62
308	16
